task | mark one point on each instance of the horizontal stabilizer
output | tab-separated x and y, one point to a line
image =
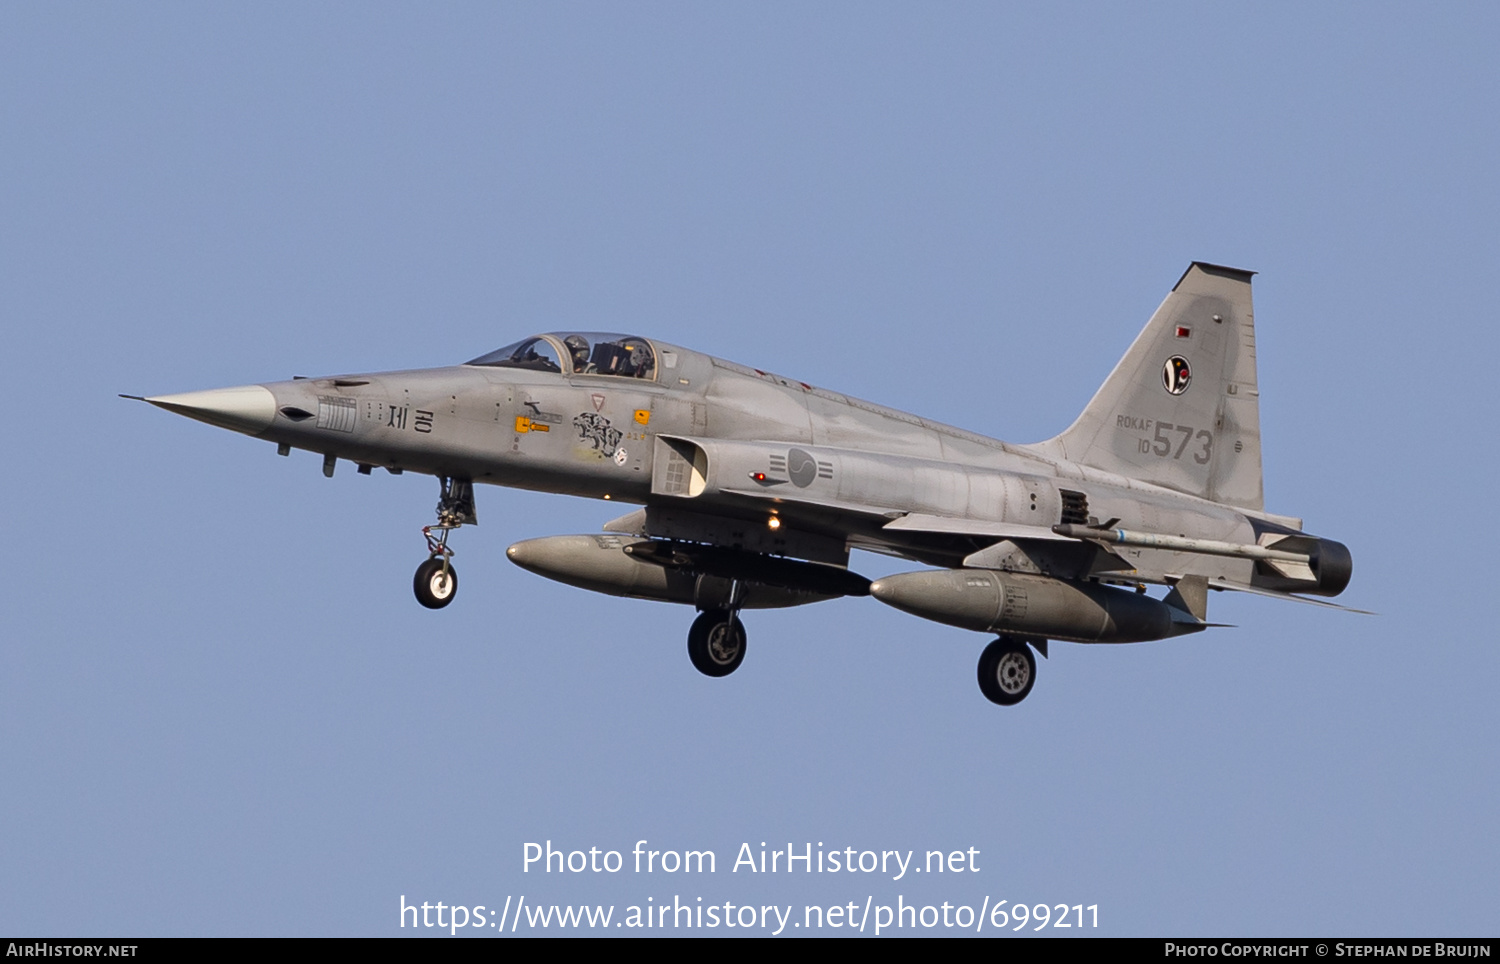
1272	593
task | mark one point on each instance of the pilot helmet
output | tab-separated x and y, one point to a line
579	347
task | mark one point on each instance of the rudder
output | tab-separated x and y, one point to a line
1182	408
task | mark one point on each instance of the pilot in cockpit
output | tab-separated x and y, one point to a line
579	347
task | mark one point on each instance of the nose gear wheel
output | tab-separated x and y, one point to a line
436	583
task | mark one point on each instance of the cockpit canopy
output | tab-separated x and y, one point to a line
578	353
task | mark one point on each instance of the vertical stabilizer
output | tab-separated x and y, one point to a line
1182	408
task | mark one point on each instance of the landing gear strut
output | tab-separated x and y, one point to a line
1007	671
436	582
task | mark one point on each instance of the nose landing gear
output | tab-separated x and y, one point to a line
436	582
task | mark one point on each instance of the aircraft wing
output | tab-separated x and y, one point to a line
858	499
816	502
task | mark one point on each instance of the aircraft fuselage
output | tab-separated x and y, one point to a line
756	486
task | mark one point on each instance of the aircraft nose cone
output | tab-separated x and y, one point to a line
247	408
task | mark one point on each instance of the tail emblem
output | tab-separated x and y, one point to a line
1175	375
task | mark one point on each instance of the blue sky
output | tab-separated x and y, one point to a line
222	712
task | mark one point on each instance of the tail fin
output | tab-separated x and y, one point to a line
1182	409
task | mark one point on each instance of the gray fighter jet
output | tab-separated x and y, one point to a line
754	487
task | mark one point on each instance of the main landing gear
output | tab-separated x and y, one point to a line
1007	671
716	643
436	582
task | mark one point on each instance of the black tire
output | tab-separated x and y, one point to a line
1007	671
716	643
435	588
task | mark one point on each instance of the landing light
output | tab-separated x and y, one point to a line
774	522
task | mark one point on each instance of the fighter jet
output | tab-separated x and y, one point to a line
753	488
